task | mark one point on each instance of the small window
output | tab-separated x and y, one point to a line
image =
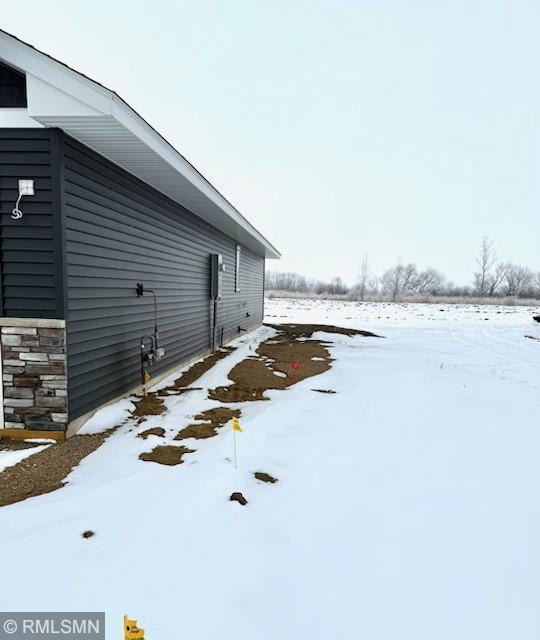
237	269
12	87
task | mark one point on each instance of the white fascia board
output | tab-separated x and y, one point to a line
46	100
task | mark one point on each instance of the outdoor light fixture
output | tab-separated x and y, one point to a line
26	188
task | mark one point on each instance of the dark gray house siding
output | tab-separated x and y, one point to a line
31	252
88	236
88	232
119	231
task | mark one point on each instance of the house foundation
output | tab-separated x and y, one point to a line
34	374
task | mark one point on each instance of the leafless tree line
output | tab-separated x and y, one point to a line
496	278
294	282
492	279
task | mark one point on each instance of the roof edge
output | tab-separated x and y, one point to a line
110	103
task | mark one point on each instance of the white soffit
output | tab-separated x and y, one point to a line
60	97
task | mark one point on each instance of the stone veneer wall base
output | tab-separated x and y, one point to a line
34	374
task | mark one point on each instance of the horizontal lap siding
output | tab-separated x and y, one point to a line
30	247
119	231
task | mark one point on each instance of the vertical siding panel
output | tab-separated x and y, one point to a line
31	285
120	231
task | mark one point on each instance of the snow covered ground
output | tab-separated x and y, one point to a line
407	504
10	458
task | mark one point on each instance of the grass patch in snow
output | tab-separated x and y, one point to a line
155	431
166	454
253	376
211	419
197	431
152	404
238	497
218	416
149	405
172	391
202	366
307	330
264	477
284	360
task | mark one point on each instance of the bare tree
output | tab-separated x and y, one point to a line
399	280
485	262
410	276
285	281
275	281
391	281
337	286
496	279
517	279
361	286
429	281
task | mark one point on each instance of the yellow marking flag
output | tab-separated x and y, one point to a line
236	425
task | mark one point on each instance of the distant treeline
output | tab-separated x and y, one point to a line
492	279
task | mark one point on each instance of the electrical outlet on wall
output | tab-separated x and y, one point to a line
26	187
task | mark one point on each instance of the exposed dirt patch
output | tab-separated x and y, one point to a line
307	330
238	497
155	431
87	534
237	393
197	431
281	362
46	470
218	416
265	477
197	369
324	390
211	420
149	405
153	404
253	376
10	444
168	391
166	454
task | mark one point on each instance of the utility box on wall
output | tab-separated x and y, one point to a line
216	276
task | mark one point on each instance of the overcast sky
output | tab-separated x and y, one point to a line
406	129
